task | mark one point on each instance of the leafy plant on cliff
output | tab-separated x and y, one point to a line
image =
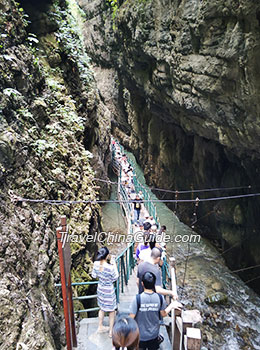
71	41
114	6
43	146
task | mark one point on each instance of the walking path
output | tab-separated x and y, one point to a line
89	339
128	190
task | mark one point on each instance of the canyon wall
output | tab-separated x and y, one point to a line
54	135
182	80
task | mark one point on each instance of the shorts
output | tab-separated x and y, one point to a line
149	344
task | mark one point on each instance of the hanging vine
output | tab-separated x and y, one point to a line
114	5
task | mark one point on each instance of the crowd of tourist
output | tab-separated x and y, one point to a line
140	328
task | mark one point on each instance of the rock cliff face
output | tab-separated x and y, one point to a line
185	99
51	119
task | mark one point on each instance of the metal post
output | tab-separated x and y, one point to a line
175	313
64	290
72	318
127	266
118	282
172	261
122	277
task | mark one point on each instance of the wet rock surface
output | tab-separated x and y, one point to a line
216	299
54	133
188	104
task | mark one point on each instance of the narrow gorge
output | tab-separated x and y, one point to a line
182	81
177	82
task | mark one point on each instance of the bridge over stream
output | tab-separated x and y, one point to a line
178	329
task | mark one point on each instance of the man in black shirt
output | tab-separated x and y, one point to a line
137	208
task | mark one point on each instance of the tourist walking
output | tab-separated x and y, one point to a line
147	308
152	266
107	274
137	203
145	254
142	246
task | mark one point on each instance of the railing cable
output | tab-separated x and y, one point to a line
15	198
187	191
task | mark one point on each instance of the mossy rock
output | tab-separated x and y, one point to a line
216	299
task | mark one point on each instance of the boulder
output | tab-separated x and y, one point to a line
217	298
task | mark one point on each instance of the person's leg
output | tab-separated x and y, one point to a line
142	345
138	214
152	344
101	315
111	322
135	216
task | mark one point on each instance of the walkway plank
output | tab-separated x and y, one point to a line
130	292
89	339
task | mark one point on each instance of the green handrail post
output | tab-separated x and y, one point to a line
124	270
163	276
122	277
165	272
127	266
118	282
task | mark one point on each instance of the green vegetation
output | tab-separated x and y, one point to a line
114	6
45	111
71	40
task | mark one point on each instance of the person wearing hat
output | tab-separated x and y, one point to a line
154	229
152	221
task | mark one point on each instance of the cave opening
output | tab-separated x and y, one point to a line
258	17
31	6
39	20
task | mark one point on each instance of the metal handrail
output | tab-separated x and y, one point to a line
125	264
150	206
79	283
125	261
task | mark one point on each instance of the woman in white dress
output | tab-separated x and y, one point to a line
107	275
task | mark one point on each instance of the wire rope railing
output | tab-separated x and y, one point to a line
126	205
125	261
